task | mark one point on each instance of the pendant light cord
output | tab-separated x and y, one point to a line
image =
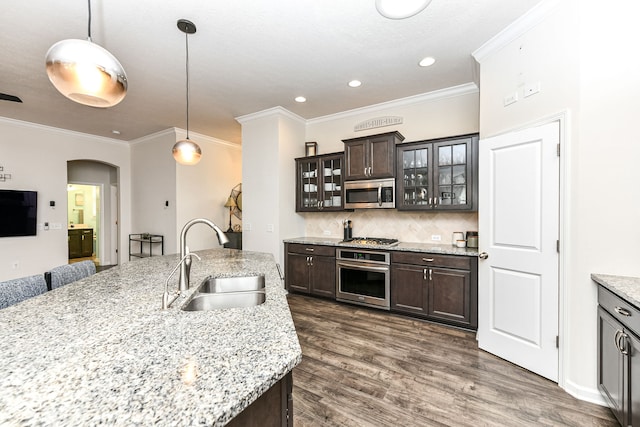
186	37
89	25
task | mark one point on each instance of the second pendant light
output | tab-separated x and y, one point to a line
185	151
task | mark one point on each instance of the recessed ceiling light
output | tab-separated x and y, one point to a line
355	83
427	61
401	9
115	132
301	99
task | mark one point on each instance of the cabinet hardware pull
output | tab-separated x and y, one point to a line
424	274
623	343
430	274
309	249
615	339
311	261
430	200
427	259
483	255
622	311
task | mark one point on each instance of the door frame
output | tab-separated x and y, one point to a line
563	118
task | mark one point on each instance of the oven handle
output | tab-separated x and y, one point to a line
362	266
380	195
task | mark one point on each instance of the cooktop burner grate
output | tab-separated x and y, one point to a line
372	241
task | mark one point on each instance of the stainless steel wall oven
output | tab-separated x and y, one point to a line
362	277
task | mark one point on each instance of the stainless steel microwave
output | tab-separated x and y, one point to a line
370	194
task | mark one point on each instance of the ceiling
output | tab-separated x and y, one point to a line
246	56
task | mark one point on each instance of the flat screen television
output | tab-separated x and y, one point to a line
18	213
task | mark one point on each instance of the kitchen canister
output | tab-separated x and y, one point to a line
457	235
472	239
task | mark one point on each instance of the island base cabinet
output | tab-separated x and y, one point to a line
619	357
273	409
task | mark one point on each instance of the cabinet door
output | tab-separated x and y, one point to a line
414	177
611	367
297	275
450	295
75	244
382	154
308	183
87	243
323	276
453	174
408	289
356	159
331	167
633	377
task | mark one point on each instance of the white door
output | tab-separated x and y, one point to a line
518	229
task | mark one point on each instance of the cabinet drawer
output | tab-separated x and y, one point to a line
318	250
624	312
426	259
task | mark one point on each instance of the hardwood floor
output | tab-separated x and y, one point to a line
362	367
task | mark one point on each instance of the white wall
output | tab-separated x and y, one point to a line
153	171
198	191
270	140
581	53
36	157
448	112
203	189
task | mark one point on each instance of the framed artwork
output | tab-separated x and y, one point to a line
310	148
79	199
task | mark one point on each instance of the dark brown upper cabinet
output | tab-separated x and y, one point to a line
371	157
438	174
319	183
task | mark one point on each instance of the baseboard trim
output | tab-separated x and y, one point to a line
584	393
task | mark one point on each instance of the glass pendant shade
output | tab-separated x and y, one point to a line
86	73
187	152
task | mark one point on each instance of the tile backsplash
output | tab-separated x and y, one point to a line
390	223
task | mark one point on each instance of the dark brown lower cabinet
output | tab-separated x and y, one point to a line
619	356
310	269
80	242
273	409
438	287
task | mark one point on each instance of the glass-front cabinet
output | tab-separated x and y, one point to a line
319	183
437	174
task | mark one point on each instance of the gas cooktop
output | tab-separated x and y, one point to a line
371	241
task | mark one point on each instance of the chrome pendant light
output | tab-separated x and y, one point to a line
185	151
86	72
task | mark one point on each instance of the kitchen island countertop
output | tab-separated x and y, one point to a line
402	246
627	288
102	351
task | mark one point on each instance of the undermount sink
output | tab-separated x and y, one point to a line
232	284
217	301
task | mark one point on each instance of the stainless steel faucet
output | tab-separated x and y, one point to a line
165	296
183	284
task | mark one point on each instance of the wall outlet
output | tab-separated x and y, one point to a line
56	226
436	237
326	233
15	265
531	89
247	226
269	228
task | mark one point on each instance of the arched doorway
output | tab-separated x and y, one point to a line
93	206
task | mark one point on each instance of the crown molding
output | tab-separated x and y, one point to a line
460	90
516	29
275	111
21	123
178	133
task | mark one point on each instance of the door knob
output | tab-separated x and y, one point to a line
483	255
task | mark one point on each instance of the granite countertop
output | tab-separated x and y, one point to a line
101	350
627	288
402	246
